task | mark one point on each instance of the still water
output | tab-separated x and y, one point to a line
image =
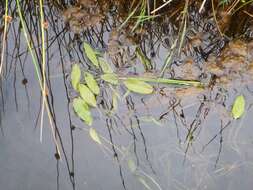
158	141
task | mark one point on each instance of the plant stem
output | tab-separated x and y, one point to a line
4	35
166	81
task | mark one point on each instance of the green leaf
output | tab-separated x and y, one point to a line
94	135
91	83
91	54
87	95
111	78
138	86
82	110
238	107
106	68
75	76
131	165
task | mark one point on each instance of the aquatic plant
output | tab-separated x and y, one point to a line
99	86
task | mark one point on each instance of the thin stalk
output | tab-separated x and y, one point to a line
182	30
244	4
163	5
169	57
128	18
4	35
142	14
234	4
202	6
43	67
167	81
215	19
36	66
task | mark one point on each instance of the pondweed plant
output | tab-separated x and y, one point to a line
88	88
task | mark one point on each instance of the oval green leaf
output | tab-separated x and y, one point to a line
94	135
82	110
106	68
91	83
91	54
238	107
131	165
75	76
110	78
87	95
138	86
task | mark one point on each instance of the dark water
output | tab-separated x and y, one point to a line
218	157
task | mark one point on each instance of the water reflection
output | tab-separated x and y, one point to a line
176	138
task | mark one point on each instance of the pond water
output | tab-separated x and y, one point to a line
179	137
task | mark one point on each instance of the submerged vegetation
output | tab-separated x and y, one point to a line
127	63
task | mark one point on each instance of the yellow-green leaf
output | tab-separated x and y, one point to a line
131	165
91	54
82	110
238	107
87	95
138	86
106	68
110	78
94	135
91	83
75	76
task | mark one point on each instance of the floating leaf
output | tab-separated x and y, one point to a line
111	78
106	68
138	86
131	165
91	83
238	107
75	76
91	54
87	95
82	110
94	135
